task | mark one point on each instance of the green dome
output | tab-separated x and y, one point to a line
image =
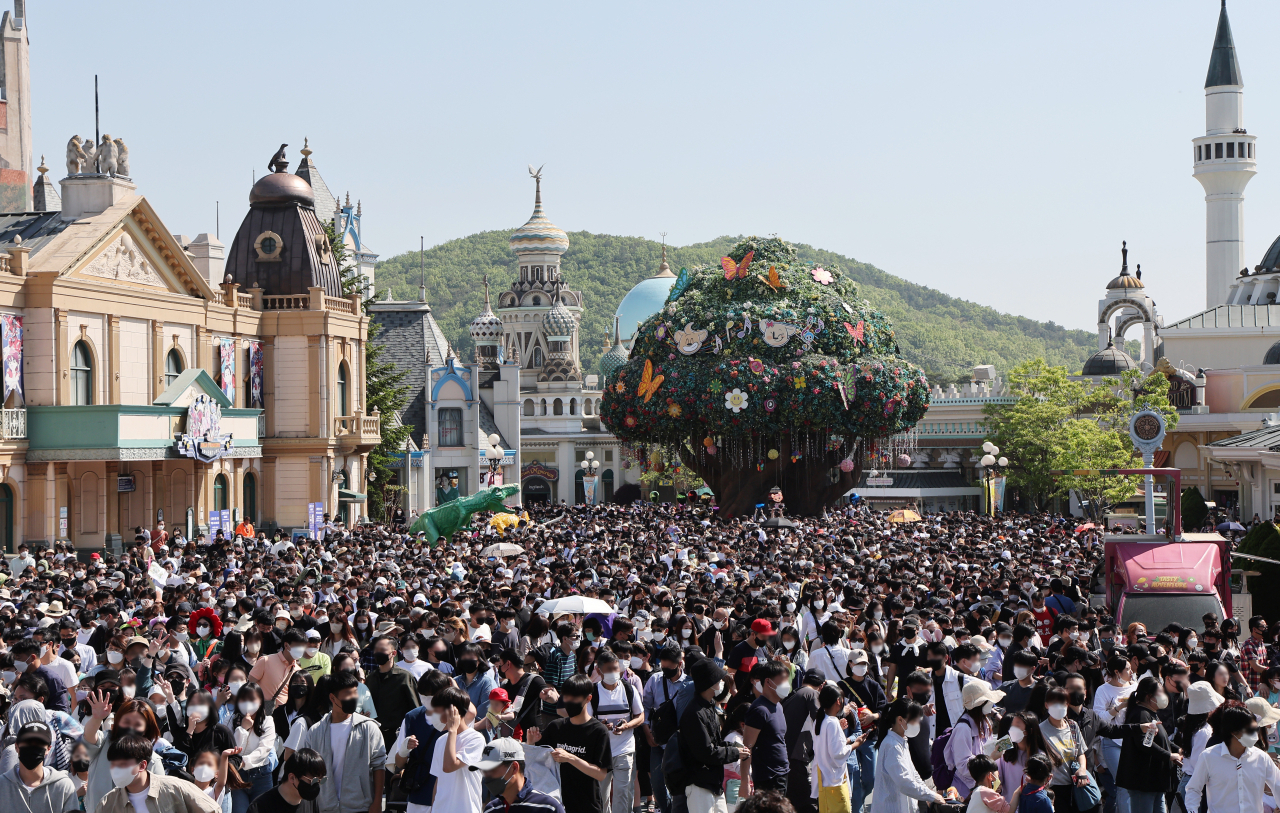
559	321
613	360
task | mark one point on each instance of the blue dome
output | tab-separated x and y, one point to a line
643	301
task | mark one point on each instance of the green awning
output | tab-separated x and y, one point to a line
345	495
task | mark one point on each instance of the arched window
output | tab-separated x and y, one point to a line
172	366
537	357
220	492
250	504
606	479
573	406
557	407
528	408
342	390
81	375
537	301
543	410
587	406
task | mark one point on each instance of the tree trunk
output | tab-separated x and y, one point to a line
805	485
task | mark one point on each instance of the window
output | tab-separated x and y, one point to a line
586	406
451	427
342	390
573	406
1197	152
607	479
1217	150
557	407
537	300
1250	149
528	408
172	366
537	355
1231	149
250	504
81	375
608	455
220	492
1240	149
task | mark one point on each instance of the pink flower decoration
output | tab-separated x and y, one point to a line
795	365
822	275
757	366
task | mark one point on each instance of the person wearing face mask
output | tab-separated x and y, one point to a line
394	691
1145	772
946	695
1232	772
201	729
702	747
1066	746
524	688
315	662
813	613
206	627
255	736
673	685
581	745
26	712
353	750
502	765
132	719
300	780
415	743
898	784
1017	690
137	788
35	785
474	676
27	657
617	704
272	672
908	654
765	732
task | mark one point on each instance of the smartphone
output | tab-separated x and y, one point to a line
1003	744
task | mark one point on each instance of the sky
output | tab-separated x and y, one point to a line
996	151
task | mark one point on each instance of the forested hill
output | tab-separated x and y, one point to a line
944	335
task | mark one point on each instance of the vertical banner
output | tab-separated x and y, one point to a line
227	349
255	375
589	488
224	521
11	359
215	523
997	487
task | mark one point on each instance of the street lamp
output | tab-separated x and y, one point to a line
590	465
990	463
494	454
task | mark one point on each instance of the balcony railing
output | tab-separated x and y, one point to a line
230	294
358	429
292	302
13	424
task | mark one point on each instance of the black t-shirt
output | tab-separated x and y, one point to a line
920	747
744	656
769	762
272	802
590	742
530	687
943	721
908	661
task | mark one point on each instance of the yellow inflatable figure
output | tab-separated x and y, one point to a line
504	521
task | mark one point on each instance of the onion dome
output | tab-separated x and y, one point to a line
486	327
278	188
1125	280
558	324
1273	354
648	296
1109	361
539	235
616	356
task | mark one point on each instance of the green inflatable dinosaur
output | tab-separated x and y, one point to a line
456	515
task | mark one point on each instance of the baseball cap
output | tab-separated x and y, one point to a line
499	695
35	732
761	626
501	750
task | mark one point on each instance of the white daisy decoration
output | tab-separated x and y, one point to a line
735	399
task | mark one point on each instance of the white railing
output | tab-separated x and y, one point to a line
13	424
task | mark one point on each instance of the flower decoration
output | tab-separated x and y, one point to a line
822	275
716	387
674	410
770	404
756	365
736	400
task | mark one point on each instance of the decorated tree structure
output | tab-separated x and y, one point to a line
766	371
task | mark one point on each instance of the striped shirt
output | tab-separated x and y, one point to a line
560	667
527	800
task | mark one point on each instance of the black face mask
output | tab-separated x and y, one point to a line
669	673
32	756
468	666
381	658
573	709
1077	697
920	697
349	705
79	765
936	663
309	791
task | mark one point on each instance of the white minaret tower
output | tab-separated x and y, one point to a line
1224	165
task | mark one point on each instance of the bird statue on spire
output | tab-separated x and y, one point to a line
278	162
536	174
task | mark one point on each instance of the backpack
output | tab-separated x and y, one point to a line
665	722
595	697
940	760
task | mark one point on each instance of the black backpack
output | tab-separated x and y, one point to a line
595	697
665	722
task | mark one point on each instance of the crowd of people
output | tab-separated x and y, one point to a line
688	664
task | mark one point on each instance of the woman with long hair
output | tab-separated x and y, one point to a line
831	751
1145	772
898	784
131	717
536	633
812	612
1066	748
1023	730
201	728
789	638
1194	730
294	718
340	634
1218	676
255	736
971	734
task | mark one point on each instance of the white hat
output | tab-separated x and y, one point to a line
498	752
1202	699
977	692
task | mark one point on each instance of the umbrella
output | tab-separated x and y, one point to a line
502	549
1230	526
578	605
904	515
1088	526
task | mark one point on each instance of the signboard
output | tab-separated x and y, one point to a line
589	488
203	439
62	521
536	469
224	519
879	481
215	523
315	518
126	482
1180	584
158	574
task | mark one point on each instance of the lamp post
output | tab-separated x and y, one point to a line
990	463
589	468
494	455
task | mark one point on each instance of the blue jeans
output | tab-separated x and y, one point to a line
1140	801
1107	779
657	782
862	775
259	780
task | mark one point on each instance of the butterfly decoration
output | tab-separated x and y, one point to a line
746	327
739	270
649	383
682	282
772	279
856	332
848	309
849	382
844	399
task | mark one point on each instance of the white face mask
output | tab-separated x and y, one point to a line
789	645
1005	642
818	604
203	630
859	669
296	652
1248	739
609	678
437	722
204	773
114	657
1021	672
198	711
636	663
913	729
686	632
1016	734
235	685
1057	711
426	703
248	707
123	777
1192	643
410	655
312	651
876	649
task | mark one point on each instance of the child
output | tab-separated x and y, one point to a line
1035	796
210	769
985	798
499	716
79	771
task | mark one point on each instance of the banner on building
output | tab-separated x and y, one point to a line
11	339
255	375
315	518
224	520
997	492
589	488
215	523
227	350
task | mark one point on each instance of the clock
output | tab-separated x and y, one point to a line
1146	430
1146	427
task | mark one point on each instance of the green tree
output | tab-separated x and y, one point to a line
383	386
1060	422
1263	540
1194	510
765	375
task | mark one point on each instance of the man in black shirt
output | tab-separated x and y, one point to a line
907	655
524	688
750	651
302	774
581	746
796	710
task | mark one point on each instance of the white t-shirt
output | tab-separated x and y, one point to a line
339	733
614	709
459	790
418	668
139	800
64	670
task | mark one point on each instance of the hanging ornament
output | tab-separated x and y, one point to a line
846	465
760	466
904	460
711	449
773	454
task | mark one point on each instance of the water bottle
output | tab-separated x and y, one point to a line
1148	739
